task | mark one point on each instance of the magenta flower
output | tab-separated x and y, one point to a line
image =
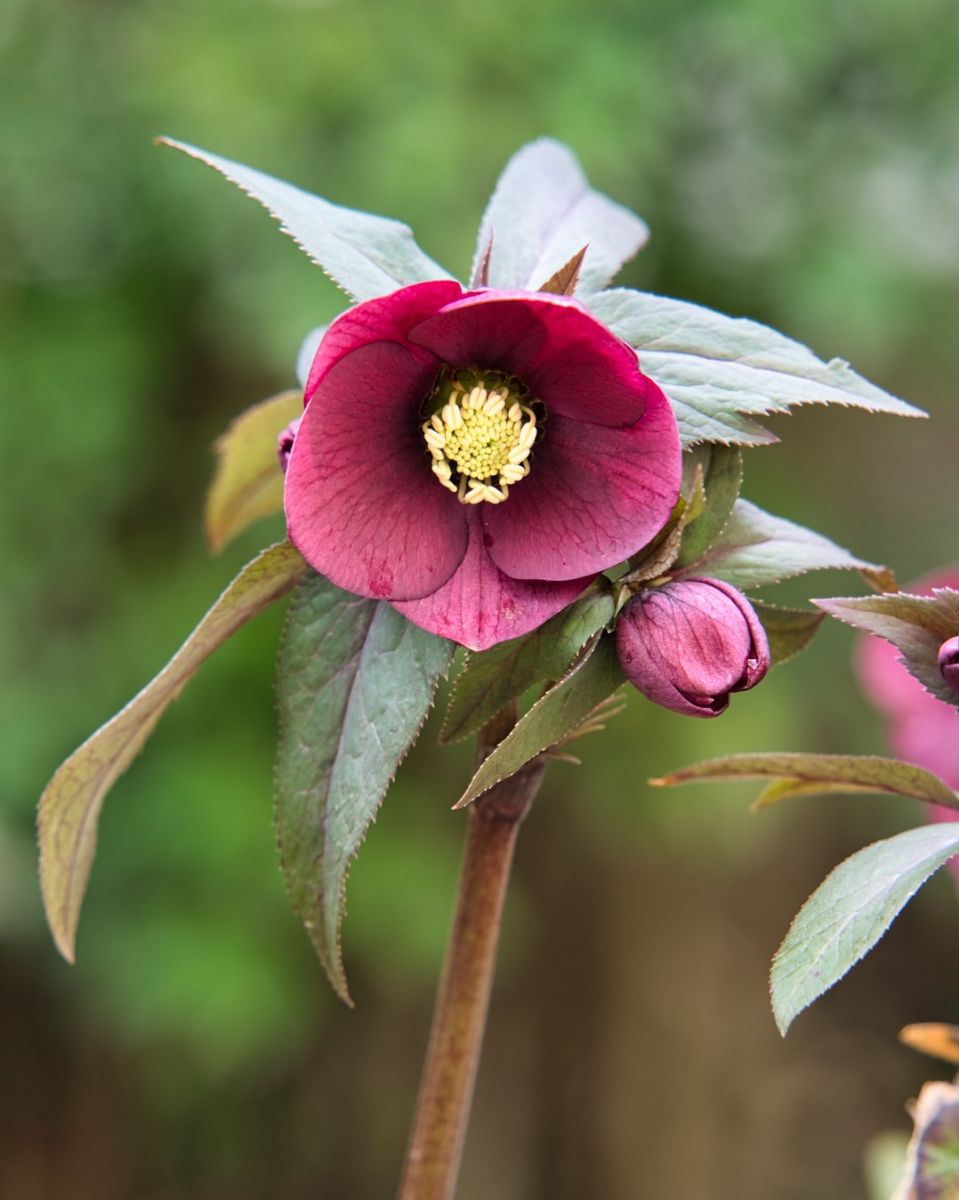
688	644
949	663
476	458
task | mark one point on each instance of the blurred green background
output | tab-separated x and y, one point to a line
798	163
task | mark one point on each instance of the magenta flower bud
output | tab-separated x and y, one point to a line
688	644
949	663
284	443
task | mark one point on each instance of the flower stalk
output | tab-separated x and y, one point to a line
459	1018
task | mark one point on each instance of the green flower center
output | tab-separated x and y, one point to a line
480	438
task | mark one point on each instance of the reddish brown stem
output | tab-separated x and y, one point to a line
459	1019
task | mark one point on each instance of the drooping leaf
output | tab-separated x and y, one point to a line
70	806
307	352
916	625
355	681
363	254
542	212
808	774
563	282
850	911
248	482
721	372
558	713
491	678
721	469
788	630
755	549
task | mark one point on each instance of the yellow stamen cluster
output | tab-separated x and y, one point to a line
480	442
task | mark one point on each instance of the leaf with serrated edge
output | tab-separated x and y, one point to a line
821	773
491	678
850	911
248	482
540	214
365	255
555	715
755	549
720	372
70	806
722	476
916	625
355	681
788	630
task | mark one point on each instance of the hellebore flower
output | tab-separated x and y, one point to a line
949	663
476	458
688	644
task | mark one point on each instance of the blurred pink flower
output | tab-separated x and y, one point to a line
920	728
687	645
476	458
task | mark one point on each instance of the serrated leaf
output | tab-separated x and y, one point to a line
365	255
491	678
721	372
355	681
721	470
850	911
248	482
540	214
916	625
70	807
755	549
554	716
788	630
806	774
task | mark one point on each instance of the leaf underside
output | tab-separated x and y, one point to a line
70	807
355	681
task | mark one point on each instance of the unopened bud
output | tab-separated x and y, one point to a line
949	663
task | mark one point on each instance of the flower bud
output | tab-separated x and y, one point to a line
688	644
949	663
284	443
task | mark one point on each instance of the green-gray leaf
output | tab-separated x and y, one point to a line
722	475
365	255
755	549
355	681
850	911
788	630
812	774
491	678
543	212
720	372
916	625
555	715
70	806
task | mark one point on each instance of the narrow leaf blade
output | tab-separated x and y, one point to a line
542	212
365	255
788	630
555	715
721	372
722	479
823	773
916	625
491	678
850	911
70	807
355	681
248	482
756	548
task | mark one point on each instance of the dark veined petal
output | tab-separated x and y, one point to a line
594	496
385	319
567	358
362	506
481	606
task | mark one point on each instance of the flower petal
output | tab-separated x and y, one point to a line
594	496
481	606
362	506
567	358
385	319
